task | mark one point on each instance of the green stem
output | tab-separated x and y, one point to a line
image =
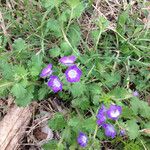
90	71
6	84
42	43
126	40
69	21
66	39
99	35
95	132
64	35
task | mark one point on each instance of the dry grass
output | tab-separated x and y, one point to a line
110	9
35	138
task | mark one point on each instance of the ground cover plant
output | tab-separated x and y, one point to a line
93	56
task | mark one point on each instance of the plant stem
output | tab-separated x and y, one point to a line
99	35
69	21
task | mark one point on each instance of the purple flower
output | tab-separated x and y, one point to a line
101	111
114	112
122	132
101	115
73	74
82	139
101	120
67	60
47	71
135	93
109	130
55	84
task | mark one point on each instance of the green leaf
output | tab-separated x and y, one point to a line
18	90
96	99
7	70
140	107
65	48
127	112
73	3
133	129
43	91
120	94
53	26
67	134
103	23
89	124
100	134
51	3
4	85
25	99
123	17
29	95
57	122
64	16
112	79
77	8
50	145
95	88
132	146
74	35
55	52
20	71
78	89
74	122
94	35
147	125
35	65
19	45
81	102
95	144
77	11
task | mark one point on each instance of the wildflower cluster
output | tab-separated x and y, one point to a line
113	113
73	73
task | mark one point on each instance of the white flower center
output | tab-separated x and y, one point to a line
56	83
84	139
68	61
110	129
72	74
115	113
47	70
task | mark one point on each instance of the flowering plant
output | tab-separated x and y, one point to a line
94	62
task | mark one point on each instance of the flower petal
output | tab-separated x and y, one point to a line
73	74
122	132
101	115
101	111
55	84
114	112
67	60
82	139
47	71
109	130
135	93
101	120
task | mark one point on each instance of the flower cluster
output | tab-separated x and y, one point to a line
73	73
112	113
